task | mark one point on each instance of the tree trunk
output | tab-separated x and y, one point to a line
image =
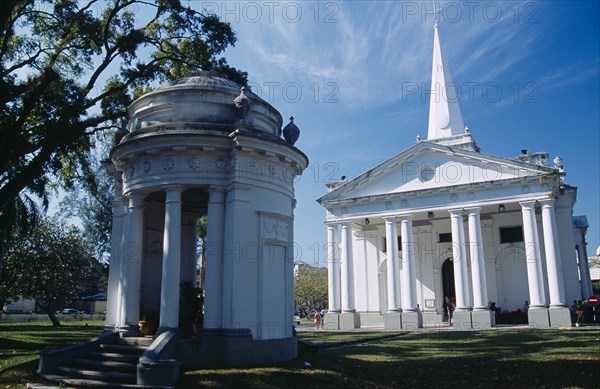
53	318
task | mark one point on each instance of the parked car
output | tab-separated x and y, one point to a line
12	310
296	319
71	311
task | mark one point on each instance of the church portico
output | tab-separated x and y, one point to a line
477	254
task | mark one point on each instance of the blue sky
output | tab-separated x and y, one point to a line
353	75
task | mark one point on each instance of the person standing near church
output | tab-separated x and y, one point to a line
318	320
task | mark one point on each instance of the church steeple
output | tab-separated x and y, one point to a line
445	119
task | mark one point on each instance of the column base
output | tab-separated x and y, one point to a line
461	320
331	321
392	321
412	320
559	317
222	347
431	318
130	331
349	320
538	317
482	320
110	328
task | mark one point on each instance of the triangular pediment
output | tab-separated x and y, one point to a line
430	166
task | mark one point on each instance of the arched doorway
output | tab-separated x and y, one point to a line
447	283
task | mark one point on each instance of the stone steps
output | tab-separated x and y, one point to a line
122	349
65	381
99	364
108	366
119	357
101	375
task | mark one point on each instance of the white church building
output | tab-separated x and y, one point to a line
443	222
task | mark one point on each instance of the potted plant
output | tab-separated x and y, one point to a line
149	323
193	300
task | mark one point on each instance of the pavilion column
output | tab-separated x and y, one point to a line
113	292
131	265
480	297
537	293
347	269
459	260
213	300
393	268
555	279
333	268
409	279
171	264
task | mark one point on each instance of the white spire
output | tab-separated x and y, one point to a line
445	119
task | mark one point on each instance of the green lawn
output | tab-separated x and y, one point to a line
20	344
490	359
334	338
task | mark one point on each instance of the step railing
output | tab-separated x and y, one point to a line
51	359
157	366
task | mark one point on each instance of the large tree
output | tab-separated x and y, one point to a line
90	199
69	68
310	288
51	265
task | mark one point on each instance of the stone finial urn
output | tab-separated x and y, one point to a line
291	132
242	104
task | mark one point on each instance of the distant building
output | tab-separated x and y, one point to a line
18	305
594	262
443	222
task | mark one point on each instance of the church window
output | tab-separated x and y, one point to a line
427	174
511	234
384	249
445	237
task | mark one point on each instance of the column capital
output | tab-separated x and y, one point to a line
136	200
346	224
527	204
473	210
456	212
547	203
331	224
405	217
173	188
216	188
389	219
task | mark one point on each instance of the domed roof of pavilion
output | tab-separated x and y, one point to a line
204	80
206	100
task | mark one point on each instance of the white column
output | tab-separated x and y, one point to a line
347	269
213	300
408	274
131	266
459	260
333	268
171	265
113	292
393	268
480	297
551	247
584	268
537	295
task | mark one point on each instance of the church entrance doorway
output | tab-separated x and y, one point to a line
447	284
